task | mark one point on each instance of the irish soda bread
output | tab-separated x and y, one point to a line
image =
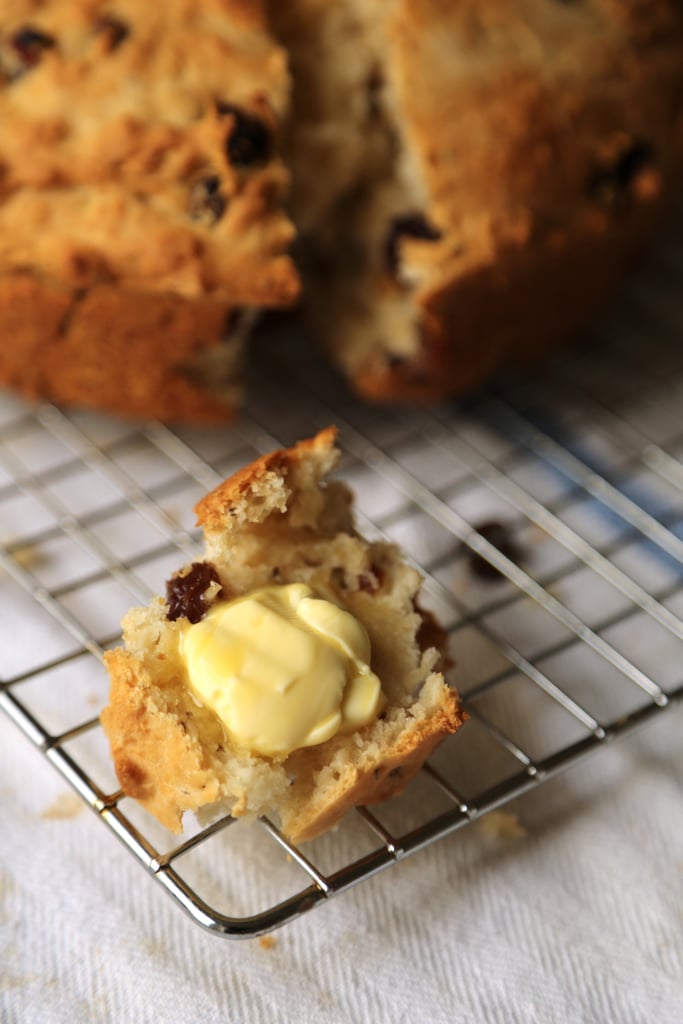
140	196
492	169
274	524
470	180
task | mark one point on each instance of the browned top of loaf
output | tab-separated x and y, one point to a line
544	140
515	113
541	80
115	151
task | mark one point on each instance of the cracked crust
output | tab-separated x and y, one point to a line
540	143
102	348
279	519
134	220
535	145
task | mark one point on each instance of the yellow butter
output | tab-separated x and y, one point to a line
282	668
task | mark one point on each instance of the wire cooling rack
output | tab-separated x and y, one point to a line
546	515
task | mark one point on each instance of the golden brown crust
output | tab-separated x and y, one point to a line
543	143
155	760
112	170
380	778
504	313
214	510
511	109
145	214
128	353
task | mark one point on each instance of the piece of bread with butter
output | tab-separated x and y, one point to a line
289	672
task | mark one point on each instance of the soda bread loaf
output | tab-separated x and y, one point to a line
492	170
470	179
277	522
140	190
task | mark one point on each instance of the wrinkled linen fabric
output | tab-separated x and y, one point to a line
577	916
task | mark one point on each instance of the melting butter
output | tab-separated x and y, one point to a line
282	668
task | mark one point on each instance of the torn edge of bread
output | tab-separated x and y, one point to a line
280	521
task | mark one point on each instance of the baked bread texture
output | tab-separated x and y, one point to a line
278	522
140	200
492	171
470	181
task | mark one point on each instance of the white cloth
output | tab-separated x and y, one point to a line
581	919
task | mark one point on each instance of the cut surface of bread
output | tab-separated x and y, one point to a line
278	521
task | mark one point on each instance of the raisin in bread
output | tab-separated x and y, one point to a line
140	200
492	170
278	521
471	180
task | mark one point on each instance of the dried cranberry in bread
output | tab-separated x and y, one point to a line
492	170
277	521
140	192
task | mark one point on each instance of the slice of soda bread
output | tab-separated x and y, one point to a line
278	522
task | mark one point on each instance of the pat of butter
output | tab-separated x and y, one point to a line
282	668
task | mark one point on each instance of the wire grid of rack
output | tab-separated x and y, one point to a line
571	637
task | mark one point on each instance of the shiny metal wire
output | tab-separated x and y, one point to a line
581	460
